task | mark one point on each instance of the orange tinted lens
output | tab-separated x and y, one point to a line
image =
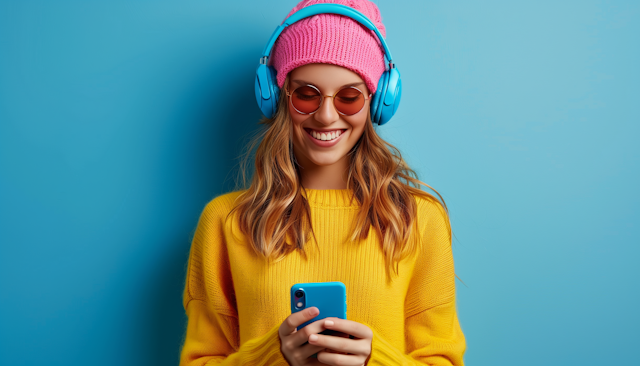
349	101
305	99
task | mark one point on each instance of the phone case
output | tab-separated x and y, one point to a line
329	297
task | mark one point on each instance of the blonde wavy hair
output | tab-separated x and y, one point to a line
273	205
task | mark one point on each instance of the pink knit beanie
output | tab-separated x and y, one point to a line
332	39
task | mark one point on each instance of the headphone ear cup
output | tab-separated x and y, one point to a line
378	98
275	90
266	90
389	104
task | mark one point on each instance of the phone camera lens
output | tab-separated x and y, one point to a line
299	293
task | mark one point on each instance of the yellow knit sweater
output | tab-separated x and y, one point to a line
235	301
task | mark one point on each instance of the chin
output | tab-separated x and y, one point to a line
324	162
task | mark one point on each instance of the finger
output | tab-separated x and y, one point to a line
341	345
334	333
309	350
355	329
302	335
294	320
328	358
301	355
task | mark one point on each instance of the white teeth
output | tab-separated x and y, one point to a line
326	136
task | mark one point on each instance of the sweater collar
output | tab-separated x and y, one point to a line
330	197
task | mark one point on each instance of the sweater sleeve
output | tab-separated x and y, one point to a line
212	332
433	335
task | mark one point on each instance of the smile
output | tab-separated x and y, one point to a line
325	139
325	135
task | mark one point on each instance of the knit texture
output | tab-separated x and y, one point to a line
235	301
332	39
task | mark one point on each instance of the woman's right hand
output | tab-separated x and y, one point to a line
294	344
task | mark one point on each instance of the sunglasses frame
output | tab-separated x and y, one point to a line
322	96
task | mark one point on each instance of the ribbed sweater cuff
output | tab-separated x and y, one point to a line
384	353
260	351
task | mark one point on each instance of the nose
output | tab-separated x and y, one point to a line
327	113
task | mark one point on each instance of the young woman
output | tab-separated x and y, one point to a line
329	201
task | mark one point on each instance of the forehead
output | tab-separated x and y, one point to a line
325	76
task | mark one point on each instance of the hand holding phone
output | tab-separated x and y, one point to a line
311	303
329	297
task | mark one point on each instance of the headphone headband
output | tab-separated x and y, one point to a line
325	9
385	100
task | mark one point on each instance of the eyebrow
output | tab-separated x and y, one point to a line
302	82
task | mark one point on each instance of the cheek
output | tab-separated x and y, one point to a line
298	131
358	126
296	118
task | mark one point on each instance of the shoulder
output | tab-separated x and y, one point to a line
428	205
430	211
226	200
221	205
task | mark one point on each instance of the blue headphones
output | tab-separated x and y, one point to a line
386	99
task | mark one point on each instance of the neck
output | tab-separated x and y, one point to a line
332	176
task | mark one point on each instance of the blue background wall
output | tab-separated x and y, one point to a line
119	120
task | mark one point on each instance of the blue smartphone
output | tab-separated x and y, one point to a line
329	297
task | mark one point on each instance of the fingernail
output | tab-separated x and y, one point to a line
313	337
314	311
328	323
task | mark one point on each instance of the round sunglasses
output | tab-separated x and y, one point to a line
307	99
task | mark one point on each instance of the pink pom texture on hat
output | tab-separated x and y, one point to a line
332	39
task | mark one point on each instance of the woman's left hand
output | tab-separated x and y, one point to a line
352	352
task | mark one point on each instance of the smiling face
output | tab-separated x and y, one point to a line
330	155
